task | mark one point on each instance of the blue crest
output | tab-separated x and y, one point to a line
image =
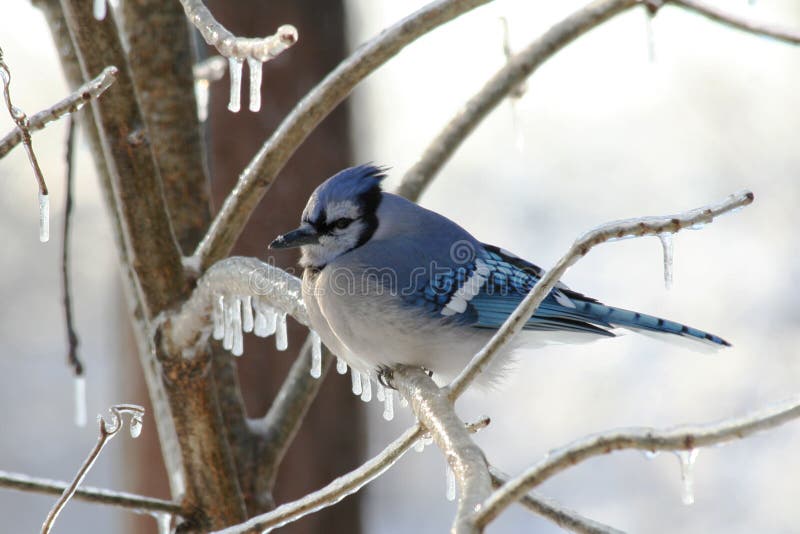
360	184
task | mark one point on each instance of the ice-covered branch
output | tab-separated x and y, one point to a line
334	492
261	172
271	291
555	512
238	49
340	488
107	431
667	224
524	63
505	81
24	130
777	32
682	438
75	101
435	412
130	501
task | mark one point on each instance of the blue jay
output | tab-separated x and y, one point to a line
388	282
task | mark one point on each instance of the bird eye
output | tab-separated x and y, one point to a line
342	223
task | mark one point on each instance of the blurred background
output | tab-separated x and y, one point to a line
604	131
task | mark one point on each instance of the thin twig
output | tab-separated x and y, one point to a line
765	29
23	125
72	103
260	173
614	230
507	79
646	439
72	338
107	431
130	501
555	512
435	411
231	46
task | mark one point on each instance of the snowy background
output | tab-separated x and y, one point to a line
605	134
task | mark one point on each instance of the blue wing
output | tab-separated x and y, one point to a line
483	292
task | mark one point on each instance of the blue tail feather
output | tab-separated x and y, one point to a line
594	311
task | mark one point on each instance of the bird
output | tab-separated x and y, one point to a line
388	282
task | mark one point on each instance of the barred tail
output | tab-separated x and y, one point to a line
640	321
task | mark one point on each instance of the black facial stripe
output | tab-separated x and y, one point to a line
370	200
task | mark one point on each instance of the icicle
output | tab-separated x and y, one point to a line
247	314
236	325
388	405
260	324
80	401
450	478
99	9
266	321
136	427
366	388
202	93
218	316
419	446
380	392
341	366
281	337
651	40
235	69
667	245
651	454
403	402
355	376
227	336
316	355
687	459
44	218
254	66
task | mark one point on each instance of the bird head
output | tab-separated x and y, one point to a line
340	216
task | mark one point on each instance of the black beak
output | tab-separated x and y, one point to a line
296	238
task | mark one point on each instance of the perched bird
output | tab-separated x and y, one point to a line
388	282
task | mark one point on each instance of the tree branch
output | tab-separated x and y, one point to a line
514	72
107	432
135	178
558	514
279	426
435	411
260	173
72	103
234	276
160	56
526	62
340	488
231	46
646	439
614	230
130	501
779	33
335	491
